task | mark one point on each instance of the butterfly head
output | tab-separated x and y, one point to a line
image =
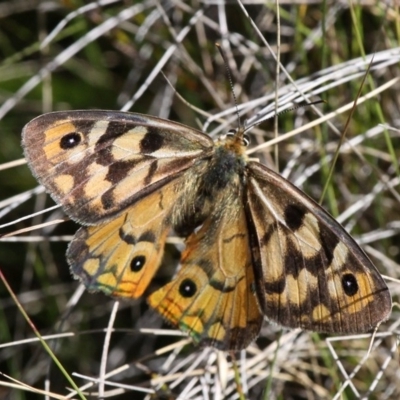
234	140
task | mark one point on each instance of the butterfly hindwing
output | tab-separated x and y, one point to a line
121	256
309	272
213	294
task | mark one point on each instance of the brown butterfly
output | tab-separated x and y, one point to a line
256	246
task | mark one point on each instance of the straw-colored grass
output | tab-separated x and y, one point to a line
109	55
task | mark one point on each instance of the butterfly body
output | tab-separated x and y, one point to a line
255	245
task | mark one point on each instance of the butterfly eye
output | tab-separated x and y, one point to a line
137	263
70	141
230	133
187	288
245	139
349	284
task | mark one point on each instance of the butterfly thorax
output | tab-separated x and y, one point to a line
212	187
227	163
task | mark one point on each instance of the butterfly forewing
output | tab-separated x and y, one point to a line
309	272
97	163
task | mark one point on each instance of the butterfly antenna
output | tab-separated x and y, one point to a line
301	105
229	74
295	107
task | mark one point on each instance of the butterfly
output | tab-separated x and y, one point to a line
255	245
